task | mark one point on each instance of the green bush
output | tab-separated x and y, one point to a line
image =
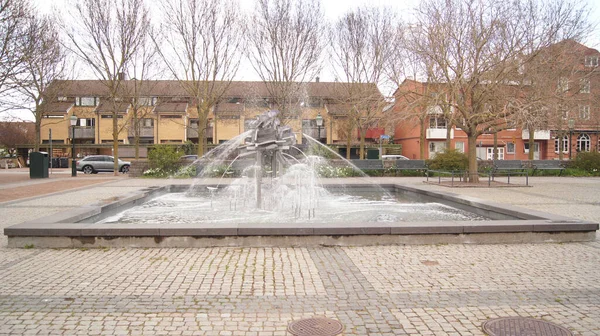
588	161
449	160
165	158
323	151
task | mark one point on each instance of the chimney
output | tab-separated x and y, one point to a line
317	79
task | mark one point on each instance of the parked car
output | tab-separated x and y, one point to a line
101	163
394	157
190	158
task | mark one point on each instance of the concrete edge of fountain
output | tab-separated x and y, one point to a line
76	228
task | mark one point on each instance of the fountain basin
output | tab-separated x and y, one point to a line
508	224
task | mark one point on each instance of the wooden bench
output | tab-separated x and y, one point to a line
547	165
508	165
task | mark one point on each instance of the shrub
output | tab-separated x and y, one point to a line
588	161
450	160
165	158
323	151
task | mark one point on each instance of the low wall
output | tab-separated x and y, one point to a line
138	167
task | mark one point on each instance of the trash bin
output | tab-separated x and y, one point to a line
372	154
64	162
38	165
55	162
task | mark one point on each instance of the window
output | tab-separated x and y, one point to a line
591	61
147	122
536	147
109	116
584	84
170	141
171	116
583	143
563	84
62	99
87	101
437	122
584	112
460	146
490	153
147	101
87	122
564	142
510	148
110	141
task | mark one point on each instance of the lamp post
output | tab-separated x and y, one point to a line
73	121
571	126
319	120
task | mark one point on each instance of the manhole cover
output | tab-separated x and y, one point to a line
523	326
315	326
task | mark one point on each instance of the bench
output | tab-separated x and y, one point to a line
411	165
368	164
508	165
547	165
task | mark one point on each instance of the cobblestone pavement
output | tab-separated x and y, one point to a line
375	290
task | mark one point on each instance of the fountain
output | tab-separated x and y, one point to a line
277	198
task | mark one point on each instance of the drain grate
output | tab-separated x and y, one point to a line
315	326
523	326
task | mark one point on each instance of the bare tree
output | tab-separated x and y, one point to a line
144	67
44	62
286	45
203	51
361	51
106	35
13	15
478	46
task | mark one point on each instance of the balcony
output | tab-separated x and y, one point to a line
315	132
537	135
192	132
438	133
145	132
84	132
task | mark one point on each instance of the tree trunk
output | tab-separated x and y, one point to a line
449	136
472	142
349	139
115	144
202	125
422	137
495	146
38	135
531	143
363	134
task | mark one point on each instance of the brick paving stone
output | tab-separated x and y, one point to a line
374	290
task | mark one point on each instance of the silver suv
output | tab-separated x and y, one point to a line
101	163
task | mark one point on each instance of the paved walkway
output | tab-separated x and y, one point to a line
378	290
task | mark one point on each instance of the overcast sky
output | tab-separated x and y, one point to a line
332	9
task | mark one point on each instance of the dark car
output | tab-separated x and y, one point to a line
101	163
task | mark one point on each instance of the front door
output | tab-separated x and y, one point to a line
490	153
436	147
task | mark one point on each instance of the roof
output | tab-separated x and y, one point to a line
174	88
170	107
104	107
58	107
229	108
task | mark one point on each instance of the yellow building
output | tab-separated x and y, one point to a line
163	113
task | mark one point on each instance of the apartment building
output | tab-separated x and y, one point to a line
162	112
571	124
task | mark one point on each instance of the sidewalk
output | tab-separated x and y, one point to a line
16	184
374	290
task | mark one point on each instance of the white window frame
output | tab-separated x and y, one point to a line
591	61
565	144
584	112
490	153
584	84
437	122
584	142
563	84
460	146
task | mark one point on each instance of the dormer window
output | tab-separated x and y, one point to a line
591	61
147	101
62	99
87	101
